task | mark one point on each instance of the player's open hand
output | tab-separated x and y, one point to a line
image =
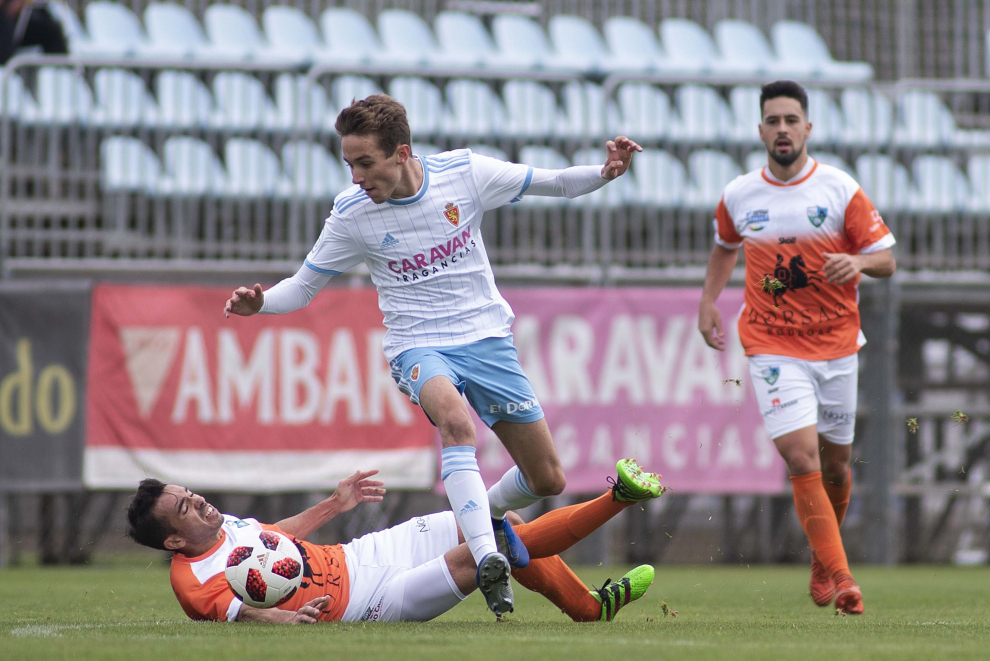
841	267
244	301
710	325
358	489
309	613
618	157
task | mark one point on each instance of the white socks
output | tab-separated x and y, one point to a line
511	493
468	498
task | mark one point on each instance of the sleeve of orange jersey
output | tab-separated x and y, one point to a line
207	601
865	228
725	230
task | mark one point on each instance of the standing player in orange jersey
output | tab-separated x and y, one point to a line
809	231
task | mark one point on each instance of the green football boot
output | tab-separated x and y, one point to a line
634	484
630	587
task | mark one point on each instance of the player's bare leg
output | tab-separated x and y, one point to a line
800	450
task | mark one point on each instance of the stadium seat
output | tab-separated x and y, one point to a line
710	171
532	109
885	181
741	41
423	101
123	99
634	44
425	149
522	42
616	193
408	41
547	158
242	102
191	168
63	97
75	34
587	114
939	186
703	114
127	164
313	172
644	111
744	100
174	32
253	170
799	43
16	101
577	40
114	30
475	110
345	89
488	150
691	48
828	124
978	169
183	100
234	33
292	35
836	161
660	179
349	37
756	160
463	38
292	109
869	117
924	121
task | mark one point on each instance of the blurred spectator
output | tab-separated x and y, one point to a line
25	24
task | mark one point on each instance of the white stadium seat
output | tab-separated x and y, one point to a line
703	114
978	169
828	124
869	117
549	159
488	150
16	101
313	172
234	34
464	39
939	186
740	41
635	45
183	100
532	109
756	160
924	121
408	41
292	35
885	181
660	179
691	47
475	110
744	100
123	99
292	109
127	164
63	97
174	32
799	43
577	40
242	102
423	101
253	170
192	168
616	193
836	161
587	114
114	30
75	34
644	111
522	42
425	149
710	171
346	89
349	36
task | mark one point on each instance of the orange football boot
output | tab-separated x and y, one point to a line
849	598
821	586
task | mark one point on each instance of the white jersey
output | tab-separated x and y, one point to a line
425	253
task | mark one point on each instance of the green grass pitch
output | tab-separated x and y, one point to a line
129	612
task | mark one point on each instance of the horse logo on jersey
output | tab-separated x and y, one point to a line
451	214
817	215
793	276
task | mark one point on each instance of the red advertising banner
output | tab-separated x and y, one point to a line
267	403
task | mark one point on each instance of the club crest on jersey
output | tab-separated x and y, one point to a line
757	219
771	374
817	215
451	214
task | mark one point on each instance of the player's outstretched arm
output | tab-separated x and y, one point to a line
720	265
245	301
350	492
618	157
287	296
580	180
307	614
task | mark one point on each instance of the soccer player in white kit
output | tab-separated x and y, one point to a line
809	231
416	222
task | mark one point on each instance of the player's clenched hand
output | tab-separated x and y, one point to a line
358	489
309	613
710	325
244	301
841	267
618	157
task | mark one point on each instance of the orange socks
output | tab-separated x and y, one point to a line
839	496
559	530
820	524
552	578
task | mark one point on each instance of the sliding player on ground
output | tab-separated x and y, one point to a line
808	231
416	222
412	572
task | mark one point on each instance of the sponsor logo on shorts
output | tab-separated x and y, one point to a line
423	523
776	406
845	417
773	390
770	375
414	375
374	613
513	407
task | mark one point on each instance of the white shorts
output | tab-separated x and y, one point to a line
376	561
794	393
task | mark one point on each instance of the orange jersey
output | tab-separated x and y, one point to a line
201	587
784	228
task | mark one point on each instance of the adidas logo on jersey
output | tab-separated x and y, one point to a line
389	241
470	506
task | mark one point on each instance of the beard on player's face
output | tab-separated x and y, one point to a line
189	515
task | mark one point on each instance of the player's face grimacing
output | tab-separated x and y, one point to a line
374	171
192	518
785	129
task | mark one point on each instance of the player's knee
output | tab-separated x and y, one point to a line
457	429
549	483
835	472
801	462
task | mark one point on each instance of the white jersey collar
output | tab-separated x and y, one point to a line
422	189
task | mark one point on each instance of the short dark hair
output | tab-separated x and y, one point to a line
379	115
143	526
787	88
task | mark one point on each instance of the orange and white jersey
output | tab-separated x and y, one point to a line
784	229
201	587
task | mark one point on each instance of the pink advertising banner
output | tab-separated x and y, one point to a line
625	373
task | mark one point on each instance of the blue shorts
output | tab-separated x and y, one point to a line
487	372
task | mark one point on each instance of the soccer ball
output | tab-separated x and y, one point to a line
265	569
